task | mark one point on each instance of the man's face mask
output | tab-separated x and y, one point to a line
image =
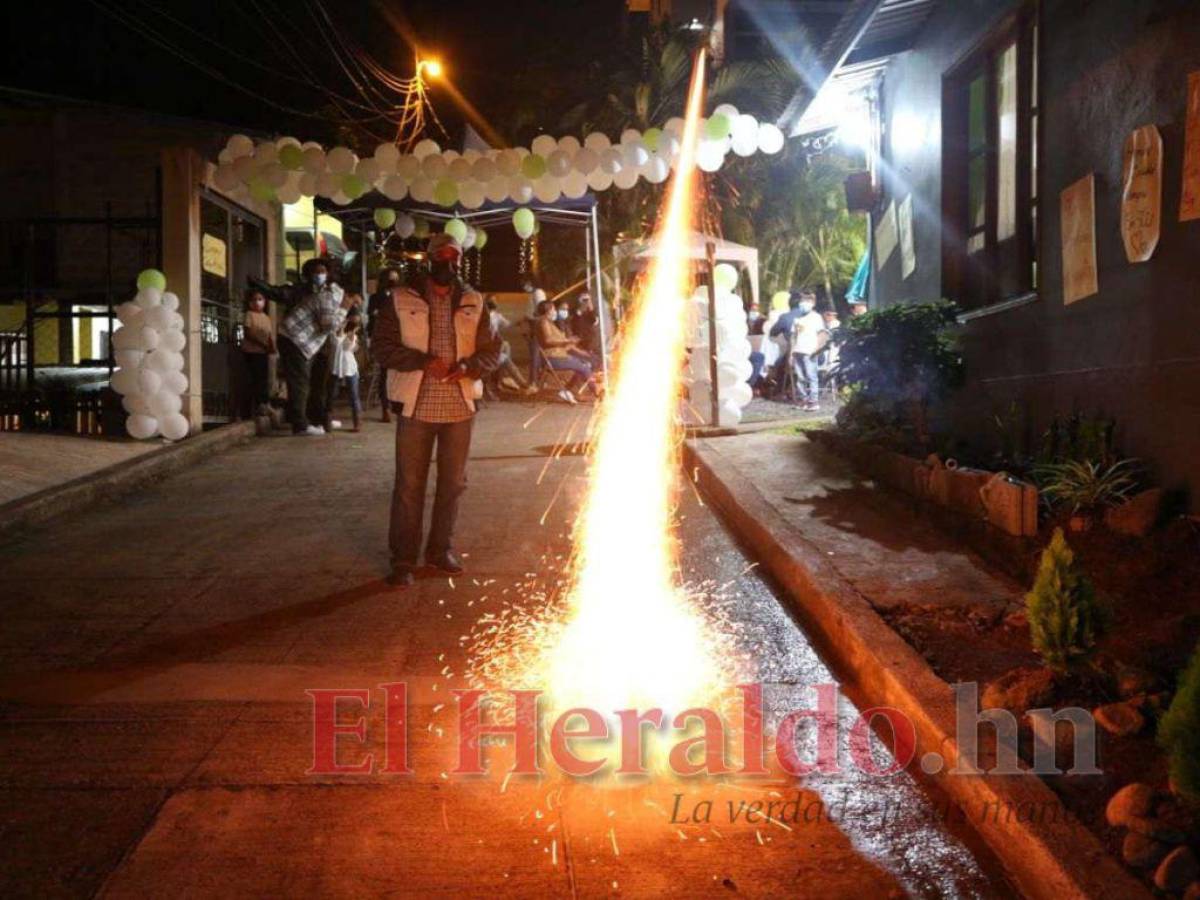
562	313
319	278
441	270
805	308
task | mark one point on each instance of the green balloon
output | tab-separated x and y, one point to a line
524	222
445	192
533	166
261	190
725	277
457	229
718	127
421	228
384	217
291	156
480	238
651	137
354	186
151	278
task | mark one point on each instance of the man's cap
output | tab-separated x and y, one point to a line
439	242
539	295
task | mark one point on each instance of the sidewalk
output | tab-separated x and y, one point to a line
33	461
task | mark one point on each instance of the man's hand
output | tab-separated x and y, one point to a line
457	372
437	368
349	300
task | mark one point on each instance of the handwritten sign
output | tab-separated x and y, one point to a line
1141	193
908	250
1189	204
885	236
1078	203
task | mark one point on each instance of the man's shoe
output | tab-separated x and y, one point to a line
311	431
401	576
447	562
567	397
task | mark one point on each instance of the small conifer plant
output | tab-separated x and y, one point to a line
1179	731
1065	616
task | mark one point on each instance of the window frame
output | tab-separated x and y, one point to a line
974	280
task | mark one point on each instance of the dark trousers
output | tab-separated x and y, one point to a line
297	370
256	368
318	410
415	442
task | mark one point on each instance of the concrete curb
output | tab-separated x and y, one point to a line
1051	859
75	495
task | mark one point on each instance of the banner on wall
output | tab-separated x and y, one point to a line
908	250
1078	205
1141	193
1189	203
885	236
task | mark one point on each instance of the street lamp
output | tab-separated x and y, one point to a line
430	67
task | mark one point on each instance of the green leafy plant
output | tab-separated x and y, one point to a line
1065	615
898	360
1179	731
1086	486
1079	438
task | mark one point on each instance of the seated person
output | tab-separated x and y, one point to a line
561	352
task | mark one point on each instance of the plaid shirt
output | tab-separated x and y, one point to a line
440	402
310	322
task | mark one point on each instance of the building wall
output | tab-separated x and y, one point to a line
1132	351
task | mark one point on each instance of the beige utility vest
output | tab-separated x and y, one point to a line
412	312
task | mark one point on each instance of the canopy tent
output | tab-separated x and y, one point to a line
738	255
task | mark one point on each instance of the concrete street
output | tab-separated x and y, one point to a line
156	731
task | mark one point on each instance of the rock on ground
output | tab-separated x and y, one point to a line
1120	719
1132	800
1142	852
1019	690
1178	870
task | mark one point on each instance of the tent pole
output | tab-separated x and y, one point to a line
714	393
587	246
600	309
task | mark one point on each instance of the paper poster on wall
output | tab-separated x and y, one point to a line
885	236
1189	203
1078	203
1141	193
908	251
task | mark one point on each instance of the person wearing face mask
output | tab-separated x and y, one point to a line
564	319
809	336
303	340
437	342
258	345
389	279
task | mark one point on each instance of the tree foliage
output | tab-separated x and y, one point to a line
1179	731
1065	616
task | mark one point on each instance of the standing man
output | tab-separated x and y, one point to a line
303	346
436	341
809	336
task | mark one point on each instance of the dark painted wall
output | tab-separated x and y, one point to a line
1133	350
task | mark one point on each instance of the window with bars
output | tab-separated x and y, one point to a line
989	160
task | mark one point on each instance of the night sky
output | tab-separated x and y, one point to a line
521	62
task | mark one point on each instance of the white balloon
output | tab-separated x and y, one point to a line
610	161
149	382
408	168
239	145
175	427
674	125
656	169
387	155
599	180
341	198
508	162
147	338
520	189
634	154
433	166
558	163
128	359
574	185
746	126
307	184
626	178
124	381
328	184
164	403
471	194
547	188
597	141
312	159
471	154
173	340
157	317
426	148
141	426
744	145
245	167
274	174
543	145
421	189
730	414
394	187
709	156
483	169
669	146
727	375
630	136
405	225
497	189
225	178
163	361
450	156
176	321
741	393
341	160
128	313
569	144
148	297
135	404
176	382
170	301
586	160
461	169
726	109
368	170
770	138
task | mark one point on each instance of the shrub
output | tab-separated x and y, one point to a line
897	360
1086	485
1065	616
1179	731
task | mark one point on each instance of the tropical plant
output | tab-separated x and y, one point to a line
1179	731
1065	615
898	360
1085	486
1083	438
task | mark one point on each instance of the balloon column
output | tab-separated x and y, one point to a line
550	168
733	351
148	348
